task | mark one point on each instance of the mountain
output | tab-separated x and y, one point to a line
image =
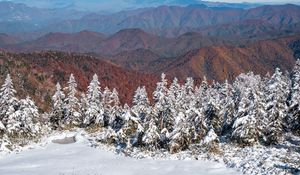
141	60
119	5
36	74
130	39
174	17
81	42
122	41
8	39
227	62
18	17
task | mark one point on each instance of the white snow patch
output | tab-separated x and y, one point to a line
80	158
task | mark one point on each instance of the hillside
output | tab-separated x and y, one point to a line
37	73
226	62
218	62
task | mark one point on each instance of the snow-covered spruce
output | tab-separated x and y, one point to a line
20	121
252	113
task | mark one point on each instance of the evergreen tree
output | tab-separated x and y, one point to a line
182	134
131	132
94	112
141	105
13	124
58	109
151	137
294	103
188	93
277	92
245	129
8	101
116	110
162	106
251	111
212	108
84	105
107	105
29	117
228	107
72	115
175	100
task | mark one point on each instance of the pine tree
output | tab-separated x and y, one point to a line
84	105
294	103
227	110
29	118
13	124
151	137
245	129
94	113
162	106
188	93
251	111
72	115
212	108
277	92
130	133
8	101
116	109
58	109
107	105
141	104
175	100
182	134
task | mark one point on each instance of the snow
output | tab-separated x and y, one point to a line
211	136
80	158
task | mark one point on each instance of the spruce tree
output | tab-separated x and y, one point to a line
245	129
141	104
116	110
94	112
276	106
151	137
182	134
162	107
228	107
58	108
72	111
251	110
29	118
8	101
294	103
107	105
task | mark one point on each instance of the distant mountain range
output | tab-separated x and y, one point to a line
119	5
190	54
163	20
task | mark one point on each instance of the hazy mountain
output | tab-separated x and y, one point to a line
18	17
118	5
8	39
175	17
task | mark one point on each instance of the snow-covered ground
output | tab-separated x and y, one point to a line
81	159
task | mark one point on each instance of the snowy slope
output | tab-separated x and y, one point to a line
81	159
